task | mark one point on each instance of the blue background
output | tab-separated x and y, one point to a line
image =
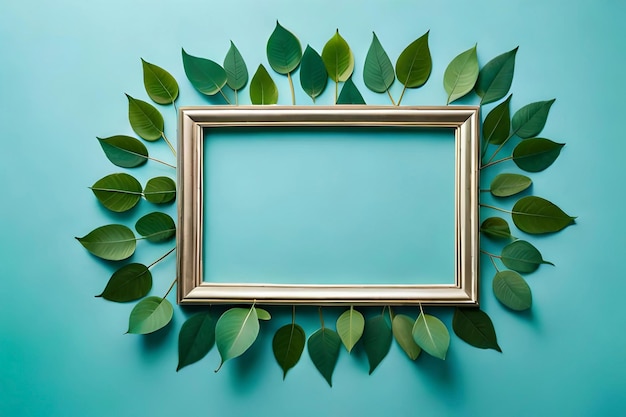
65	67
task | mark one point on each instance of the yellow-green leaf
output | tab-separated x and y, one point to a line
150	315
402	328
431	335
461	74
338	58
350	325
235	331
262	88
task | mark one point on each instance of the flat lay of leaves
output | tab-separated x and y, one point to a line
418	332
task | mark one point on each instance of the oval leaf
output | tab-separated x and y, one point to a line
505	185
160	85
145	119
512	290
461	74
496	228
150	315
236	69
206	76
160	190
313	75
522	257
537	154
117	192
350	325
350	94
475	327
283	50
402	328
288	345
323	347
338	58
156	227
495	78
415	63
378	72
497	124
431	335
263	314
530	119
262	88
195	340
235	331
536	215
130	282
124	151
113	242
376	340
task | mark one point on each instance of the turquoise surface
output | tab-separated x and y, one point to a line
65	67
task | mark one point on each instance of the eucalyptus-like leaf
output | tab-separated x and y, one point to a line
350	94
376	340
536	215
236	69
283	50
414	64
288	345
402	328
263	314
522	256
262	88
431	335
196	338
496	228
475	327
530	119
378	73
156	227
506	185
512	290
117	192
130	282
160	190
235	331
124	151
160	85
495	78
207	76
350	325
338	58
536	154
497	124
461	74
113	242
150	315
313	74
145	119
323	347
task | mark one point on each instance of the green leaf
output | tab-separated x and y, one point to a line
350	325
378	72
431	335
262	88
506	185
263	314
402	328
160	85
156	227
124	151
236	69
536	154
350	94
113	242
338	58
130	282
496	228
283	50
497	124
206	76
117	192
235	331
530	119
475	327
160	190
145	119
536	215
313	75
522	256
512	290
150	315
323	347
195	340
495	78
461	74
414	64
376	340
288	345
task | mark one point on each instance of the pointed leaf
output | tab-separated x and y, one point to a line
262	88
130	282
431	335
497	124
283	50
376	340
536	215
512	290
195	340
288	345
160	85
156	227
117	192
313	75
350	325
505	185
323	347
338	58
235	331
150	315
236	69
521	256
206	76
475	327
496	228
145	119
402	328
113	242
461	74
537	154
378	72
350	94
495	78
263	314
124	151
530	119
160	190
415	63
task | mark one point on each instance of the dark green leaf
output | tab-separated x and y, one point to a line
206	76
378	72
537	154
323	347
283	50
235	331
313	75
431	335
402	328
156	227
263	314
496	228
150	315
130	282
530	119
338	58
376	340
117	192
113	242
536	215
262	88
350	94
124	151
145	119
506	185
512	290
495	78
497	124
522	257
461	74
236	69
350	325
160	85
475	327
195	340
415	63
160	190
288	345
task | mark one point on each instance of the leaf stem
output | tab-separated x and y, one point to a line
168	143
336	91
501	146
170	288
293	315
321	316
492	255
494	263
401	95
162	257
508	158
495	208
225	98
293	92
161	162
391	98
236	98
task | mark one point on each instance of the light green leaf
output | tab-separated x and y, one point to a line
313	75
495	78
195	340
124	151
160	85
378	72
113	242
263	314
117	192
536	215
431	335
130	282
150	315
497	124
160	190
512	290
156	227
236	69
283	50
506	185
402	328
536	154
461	74
323	347
521	256
350	325
376	340
415	63
145	119
530	119
235	331
496	228
350	94
206	76
338	58
288	345
262	88
475	327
